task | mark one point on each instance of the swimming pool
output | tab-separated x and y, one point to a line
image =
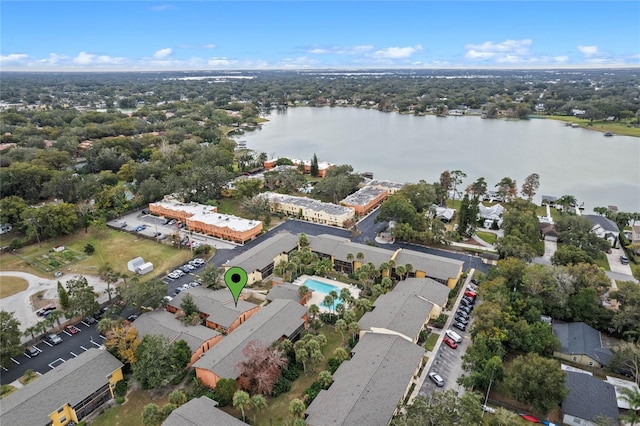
323	288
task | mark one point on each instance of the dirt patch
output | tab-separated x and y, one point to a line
12	285
43	298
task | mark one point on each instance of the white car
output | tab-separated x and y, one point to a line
488	409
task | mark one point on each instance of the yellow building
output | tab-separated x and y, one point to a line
310	210
69	392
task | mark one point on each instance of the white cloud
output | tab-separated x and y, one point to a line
219	62
340	50
53	59
506	51
162	53
13	57
397	52
209	46
162	7
589	51
85	58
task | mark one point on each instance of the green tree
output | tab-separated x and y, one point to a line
507	188
504	417
225	388
456	179
241	400
297	407
154	368
325	379
177	397
147	294
632	397
537	381
190	309
82	298
258	403
151	415
576	231
342	327
9	337
212	277
11	209
314	166
568	254
63	297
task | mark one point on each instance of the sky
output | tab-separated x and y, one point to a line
239	35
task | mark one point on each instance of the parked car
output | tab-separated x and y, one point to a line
449	342
71	329
53	338
459	326
461	319
488	409
31	351
624	260
167	299
471	294
45	311
145	211
436	378
123	225
466	309
132	317
157	234
462	314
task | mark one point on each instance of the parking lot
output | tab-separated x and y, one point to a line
51	356
161	228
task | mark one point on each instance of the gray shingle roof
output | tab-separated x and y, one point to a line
218	304
368	388
580	339
362	196
70	383
165	324
201	412
286	291
277	319
589	397
263	254
371	254
606	223
325	243
436	267
406	309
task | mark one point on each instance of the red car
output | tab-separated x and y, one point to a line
470	294
71	329
449	342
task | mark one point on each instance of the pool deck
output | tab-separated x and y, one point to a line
317	297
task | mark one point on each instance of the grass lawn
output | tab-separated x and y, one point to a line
617	127
602	261
129	413
6	390
12	285
488	237
431	341
229	206
277	410
111	246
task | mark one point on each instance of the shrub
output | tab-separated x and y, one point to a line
120	400
291	373
312	392
121	388
15	244
89	249
282	386
328	318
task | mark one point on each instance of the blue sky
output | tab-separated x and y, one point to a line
223	35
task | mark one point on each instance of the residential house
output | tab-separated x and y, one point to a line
387	185
635	234
589	400
406	309
201	411
444	270
68	393
619	384
490	215
581	343
549	200
217	308
163	323
492	197
305	165
548	231
205	219
605	228
310	210
281	319
369	388
444	214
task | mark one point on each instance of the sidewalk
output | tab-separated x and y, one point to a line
432	354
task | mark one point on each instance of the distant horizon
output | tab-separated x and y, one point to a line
186	35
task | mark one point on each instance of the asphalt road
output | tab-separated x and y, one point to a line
52	356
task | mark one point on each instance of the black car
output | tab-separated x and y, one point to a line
460	326
468	300
466	309
30	351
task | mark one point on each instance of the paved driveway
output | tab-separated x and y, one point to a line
614	262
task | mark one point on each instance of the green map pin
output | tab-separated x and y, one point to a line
235	278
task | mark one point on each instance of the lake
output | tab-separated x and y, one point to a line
597	170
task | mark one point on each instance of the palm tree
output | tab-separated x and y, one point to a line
328	302
631	396
349	256
258	403
55	315
345	297
360	255
341	327
241	400
325	378
354	329
401	270
296	407
314	310
409	268
31	331
303	292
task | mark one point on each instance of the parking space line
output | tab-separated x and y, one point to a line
65	332
50	345
55	361
15	361
74	355
98	345
85	323
4	369
102	337
85	349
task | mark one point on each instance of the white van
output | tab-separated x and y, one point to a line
454	336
